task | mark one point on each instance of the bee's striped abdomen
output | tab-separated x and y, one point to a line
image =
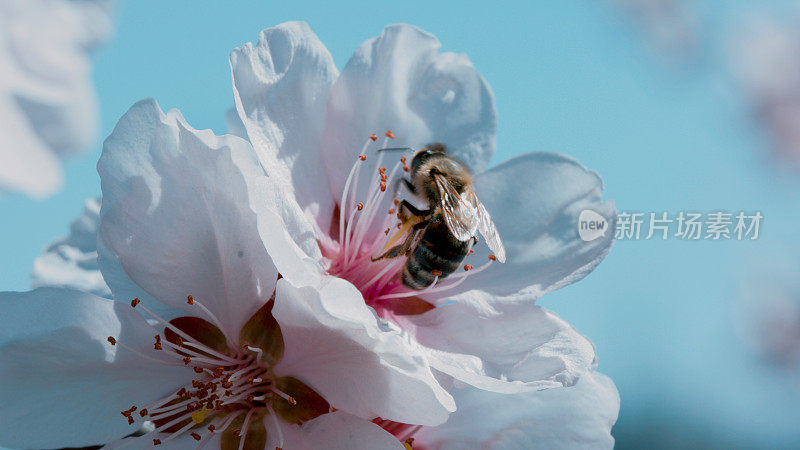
437	251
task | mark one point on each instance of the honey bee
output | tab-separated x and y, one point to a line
440	237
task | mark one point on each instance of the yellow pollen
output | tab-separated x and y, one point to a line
405	228
200	416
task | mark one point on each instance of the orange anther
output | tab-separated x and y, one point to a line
383	187
387	231
391	211
468	267
130	420
135	302
396	202
195	436
493	258
362	157
156	441
143	412
211	428
112	340
374	137
382	170
186	361
406	168
389	134
436	273
360	206
190	300
403	159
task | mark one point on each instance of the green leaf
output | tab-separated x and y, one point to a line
200	330
255	439
262	331
308	404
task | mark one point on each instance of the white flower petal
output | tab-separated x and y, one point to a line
36	170
47	102
124	289
288	234
525	348
176	213
58	373
342	431
399	81
580	416
234	124
535	200
335	344
280	87
71	262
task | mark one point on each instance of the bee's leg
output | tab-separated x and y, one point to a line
405	206
405	247
410	186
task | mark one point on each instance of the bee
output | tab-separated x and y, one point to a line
440	237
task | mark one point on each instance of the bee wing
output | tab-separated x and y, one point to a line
486	227
459	215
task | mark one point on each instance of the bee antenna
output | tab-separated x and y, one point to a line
394	149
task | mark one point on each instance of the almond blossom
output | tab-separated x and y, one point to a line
47	101
324	197
672	27
318	134
764	59
241	358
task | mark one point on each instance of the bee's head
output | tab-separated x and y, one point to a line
430	150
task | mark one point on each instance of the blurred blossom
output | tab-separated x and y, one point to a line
47	103
765	56
671	26
770	313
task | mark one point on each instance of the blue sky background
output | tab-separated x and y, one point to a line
574	77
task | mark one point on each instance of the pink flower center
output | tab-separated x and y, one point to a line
369	226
